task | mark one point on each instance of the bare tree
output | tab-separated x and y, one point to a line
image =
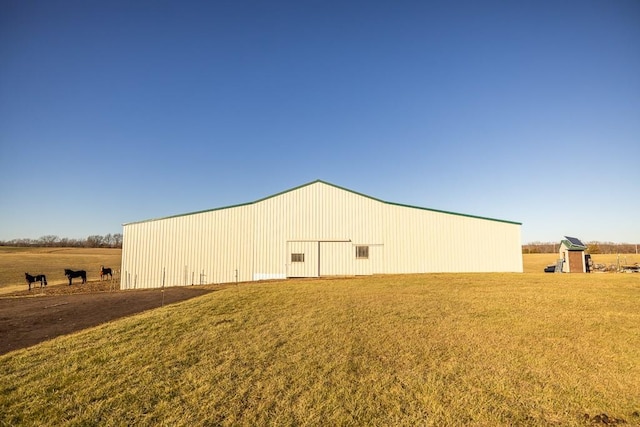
593	248
94	241
49	240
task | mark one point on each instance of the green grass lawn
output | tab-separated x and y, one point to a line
438	350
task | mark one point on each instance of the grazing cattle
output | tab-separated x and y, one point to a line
105	272
71	274
37	278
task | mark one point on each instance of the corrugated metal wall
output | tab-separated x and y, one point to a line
314	213
307	266
255	241
208	247
421	241
337	259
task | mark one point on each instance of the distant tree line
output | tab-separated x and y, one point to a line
95	241
592	248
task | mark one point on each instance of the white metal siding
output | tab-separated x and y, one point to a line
337	259
208	247
421	241
318	213
309	266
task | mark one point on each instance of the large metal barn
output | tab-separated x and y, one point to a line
317	229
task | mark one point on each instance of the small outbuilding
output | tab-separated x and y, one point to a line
572	254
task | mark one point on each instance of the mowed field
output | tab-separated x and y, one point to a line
530	349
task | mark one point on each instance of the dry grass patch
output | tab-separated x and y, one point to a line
14	262
464	349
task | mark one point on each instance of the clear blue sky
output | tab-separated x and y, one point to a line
120	111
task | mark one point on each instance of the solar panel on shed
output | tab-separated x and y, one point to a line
574	241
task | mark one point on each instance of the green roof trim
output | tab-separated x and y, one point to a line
331	185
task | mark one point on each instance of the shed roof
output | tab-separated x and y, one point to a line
573	244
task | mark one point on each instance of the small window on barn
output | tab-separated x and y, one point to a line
297	257
362	252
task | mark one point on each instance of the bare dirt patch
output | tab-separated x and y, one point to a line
30	317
